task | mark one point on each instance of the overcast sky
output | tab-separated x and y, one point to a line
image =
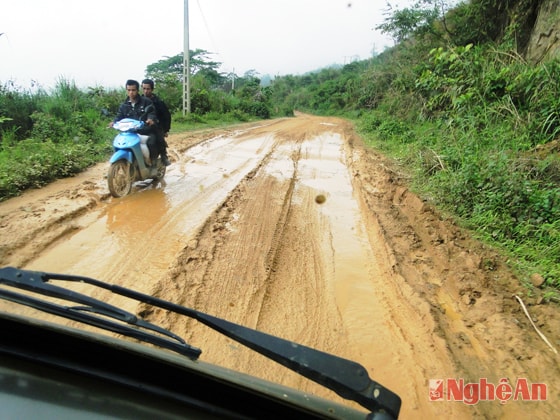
105	42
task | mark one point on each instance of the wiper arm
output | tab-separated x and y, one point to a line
348	379
104	315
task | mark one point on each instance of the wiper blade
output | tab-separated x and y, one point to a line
91	311
348	379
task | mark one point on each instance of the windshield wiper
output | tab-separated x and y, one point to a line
91	311
348	379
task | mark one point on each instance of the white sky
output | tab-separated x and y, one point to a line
105	42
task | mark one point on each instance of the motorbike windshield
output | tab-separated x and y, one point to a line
128	124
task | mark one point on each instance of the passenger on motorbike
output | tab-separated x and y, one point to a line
164	118
140	108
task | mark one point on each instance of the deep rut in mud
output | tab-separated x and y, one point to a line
372	273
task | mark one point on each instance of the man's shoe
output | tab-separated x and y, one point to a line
165	161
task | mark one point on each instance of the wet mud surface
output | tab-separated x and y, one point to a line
367	271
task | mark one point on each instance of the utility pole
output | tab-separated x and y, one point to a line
186	63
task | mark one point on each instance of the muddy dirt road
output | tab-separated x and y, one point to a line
372	273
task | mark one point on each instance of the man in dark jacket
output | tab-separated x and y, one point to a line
140	108
164	118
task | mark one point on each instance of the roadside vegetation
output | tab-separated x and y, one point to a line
474	125
48	136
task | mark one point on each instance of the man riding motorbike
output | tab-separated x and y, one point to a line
140	108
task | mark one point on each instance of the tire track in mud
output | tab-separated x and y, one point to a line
18	248
233	264
214	264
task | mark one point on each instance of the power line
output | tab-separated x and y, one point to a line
206	26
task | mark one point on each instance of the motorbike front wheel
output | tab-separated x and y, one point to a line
119	178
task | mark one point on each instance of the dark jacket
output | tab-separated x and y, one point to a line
142	110
163	114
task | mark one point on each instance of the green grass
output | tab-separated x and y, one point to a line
33	164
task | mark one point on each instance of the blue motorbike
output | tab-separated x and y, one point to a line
130	161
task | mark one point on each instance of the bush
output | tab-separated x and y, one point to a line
16	108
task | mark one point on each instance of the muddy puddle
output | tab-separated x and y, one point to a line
140	234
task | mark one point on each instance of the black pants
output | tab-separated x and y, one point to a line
161	143
152	144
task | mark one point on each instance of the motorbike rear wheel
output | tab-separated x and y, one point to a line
119	178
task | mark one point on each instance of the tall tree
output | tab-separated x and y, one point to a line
171	68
